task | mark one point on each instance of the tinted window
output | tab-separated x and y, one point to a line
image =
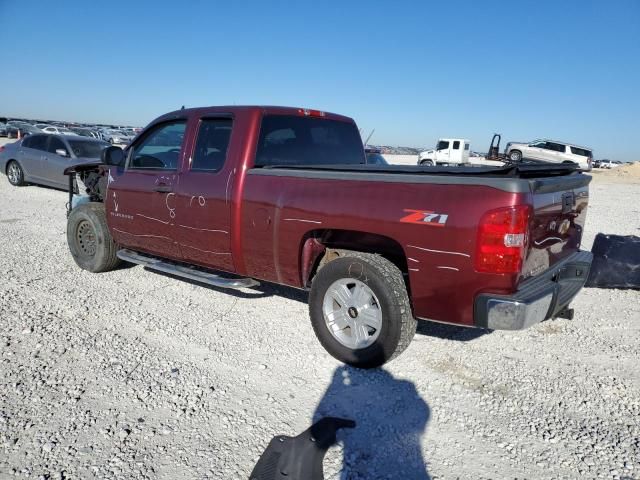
159	149
376	159
581	151
442	145
557	147
466	146
82	148
212	144
456	145
291	140
56	144
38	142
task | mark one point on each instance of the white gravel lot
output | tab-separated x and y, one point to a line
131	374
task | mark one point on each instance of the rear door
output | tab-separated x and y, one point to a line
203	206
32	151
140	200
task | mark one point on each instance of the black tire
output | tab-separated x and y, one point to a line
15	174
515	155
385	280
89	240
427	162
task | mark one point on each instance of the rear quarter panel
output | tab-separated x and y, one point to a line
279	212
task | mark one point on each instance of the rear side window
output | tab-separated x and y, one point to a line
37	142
292	140
466	146
442	145
556	147
160	148
212	144
581	151
456	145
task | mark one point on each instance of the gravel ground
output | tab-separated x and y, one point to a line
132	374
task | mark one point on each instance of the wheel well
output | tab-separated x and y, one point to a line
6	166
321	246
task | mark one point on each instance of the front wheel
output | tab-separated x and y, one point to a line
515	155
89	240
360	310
15	174
427	162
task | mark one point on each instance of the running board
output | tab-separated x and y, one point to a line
186	272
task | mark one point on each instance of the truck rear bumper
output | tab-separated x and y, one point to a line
537	299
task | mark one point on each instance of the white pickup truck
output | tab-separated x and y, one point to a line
448	151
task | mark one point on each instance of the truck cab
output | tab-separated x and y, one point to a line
448	151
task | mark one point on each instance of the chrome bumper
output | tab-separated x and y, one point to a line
537	299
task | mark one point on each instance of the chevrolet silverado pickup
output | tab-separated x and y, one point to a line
234	196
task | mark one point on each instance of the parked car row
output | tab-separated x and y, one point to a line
111	134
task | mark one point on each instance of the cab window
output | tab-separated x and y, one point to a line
212	144
456	145
160	148
442	145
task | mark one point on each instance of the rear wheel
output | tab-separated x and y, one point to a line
515	155
360	310
89	240
15	174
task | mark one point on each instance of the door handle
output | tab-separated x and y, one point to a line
162	188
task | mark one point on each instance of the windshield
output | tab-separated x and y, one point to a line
83	148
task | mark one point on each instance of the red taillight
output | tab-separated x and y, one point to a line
310	113
502	240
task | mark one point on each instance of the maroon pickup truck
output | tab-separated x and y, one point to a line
231	196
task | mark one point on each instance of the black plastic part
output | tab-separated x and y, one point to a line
616	262
299	458
72	177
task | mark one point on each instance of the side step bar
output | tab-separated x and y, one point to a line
186	272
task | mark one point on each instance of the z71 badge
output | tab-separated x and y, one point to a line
423	217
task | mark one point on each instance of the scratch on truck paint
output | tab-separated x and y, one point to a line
204	229
301	220
440	251
205	251
448	268
172	210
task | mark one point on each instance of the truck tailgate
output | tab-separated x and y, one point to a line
559	212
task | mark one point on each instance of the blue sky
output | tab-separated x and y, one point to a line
414	71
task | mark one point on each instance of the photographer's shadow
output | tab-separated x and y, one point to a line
390	419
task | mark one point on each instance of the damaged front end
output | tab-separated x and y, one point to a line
94	178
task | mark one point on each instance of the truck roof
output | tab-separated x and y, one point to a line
264	109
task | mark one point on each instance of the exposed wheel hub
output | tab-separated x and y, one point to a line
86	238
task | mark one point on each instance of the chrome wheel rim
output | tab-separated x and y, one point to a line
515	157
13	173
352	313
86	238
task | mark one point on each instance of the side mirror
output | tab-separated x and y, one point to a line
112	156
62	152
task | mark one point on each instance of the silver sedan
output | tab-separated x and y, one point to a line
41	158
